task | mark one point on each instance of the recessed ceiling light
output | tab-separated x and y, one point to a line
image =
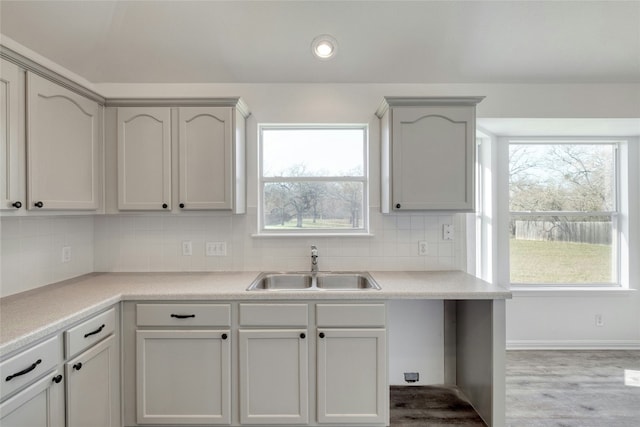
324	46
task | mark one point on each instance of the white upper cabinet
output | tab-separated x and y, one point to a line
205	157
428	153
144	158
63	143
191	156
12	166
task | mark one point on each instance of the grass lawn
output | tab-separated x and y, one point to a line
534	261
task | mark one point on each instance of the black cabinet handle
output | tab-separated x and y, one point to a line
24	371
165	206
183	316
77	366
17	205
224	336
302	335
181	205
38	204
57	379
321	334
97	331
398	205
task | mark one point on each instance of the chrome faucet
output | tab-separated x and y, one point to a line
314	259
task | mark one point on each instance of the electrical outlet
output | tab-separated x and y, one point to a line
599	320
187	249
66	253
423	248
447	232
411	377
216	248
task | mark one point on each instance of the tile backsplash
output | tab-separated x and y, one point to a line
31	250
31	254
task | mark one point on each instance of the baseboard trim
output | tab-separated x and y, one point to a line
573	345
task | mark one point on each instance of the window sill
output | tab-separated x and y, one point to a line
260	235
573	291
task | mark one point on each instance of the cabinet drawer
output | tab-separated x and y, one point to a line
25	367
183	315
351	315
89	332
274	315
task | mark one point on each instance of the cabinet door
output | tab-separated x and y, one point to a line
12	161
274	377
63	143
352	376
433	158
183	377
41	404
144	158
92	387
205	147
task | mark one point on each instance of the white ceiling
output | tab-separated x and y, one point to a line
379	41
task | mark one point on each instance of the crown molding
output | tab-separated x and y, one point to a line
34	67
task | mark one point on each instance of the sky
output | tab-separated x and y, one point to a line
332	152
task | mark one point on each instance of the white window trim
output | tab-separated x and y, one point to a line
628	207
363	232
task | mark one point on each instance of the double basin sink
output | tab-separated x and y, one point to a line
316	281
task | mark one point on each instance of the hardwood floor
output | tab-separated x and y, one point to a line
544	389
573	388
431	406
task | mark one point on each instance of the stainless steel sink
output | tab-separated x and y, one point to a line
281	281
299	281
346	281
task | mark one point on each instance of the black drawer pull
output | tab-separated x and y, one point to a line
303	335
183	316
224	336
77	366
17	205
24	371
321	334
57	379
97	331
38	204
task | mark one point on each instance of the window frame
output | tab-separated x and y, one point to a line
364	179
614	215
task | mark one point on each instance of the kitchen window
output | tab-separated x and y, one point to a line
313	179
563	213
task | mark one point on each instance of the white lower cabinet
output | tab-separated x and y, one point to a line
280	363
274	376
92	386
351	375
41	404
183	377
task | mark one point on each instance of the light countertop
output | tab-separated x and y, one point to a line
32	315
